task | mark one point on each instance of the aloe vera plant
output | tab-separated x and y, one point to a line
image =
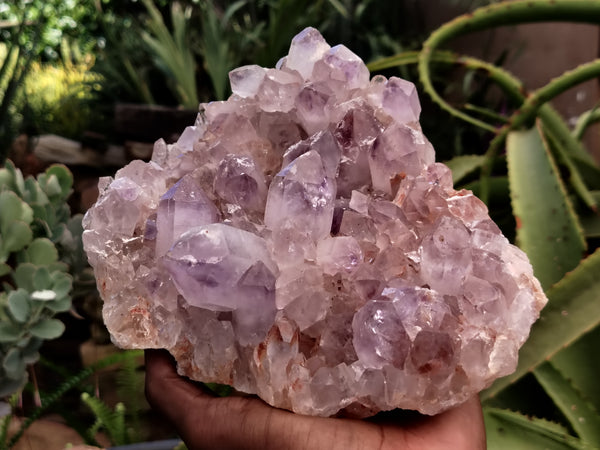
553	192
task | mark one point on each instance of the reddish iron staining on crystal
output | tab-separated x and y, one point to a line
300	242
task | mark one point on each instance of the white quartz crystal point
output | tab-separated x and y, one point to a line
184	206
246	80
302	193
379	336
307	47
239	182
209	264
396	97
278	90
399	151
221	268
191	134
339	254
342	69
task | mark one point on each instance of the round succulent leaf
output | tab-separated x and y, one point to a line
41	251
19	182
23	342
50	185
42	279
47	329
62	285
19	305
57	231
31	191
58	266
4	254
6	180
13	364
13	208
9	332
17	176
39	211
59	305
64	177
30	351
9	387
17	235
75	225
23	276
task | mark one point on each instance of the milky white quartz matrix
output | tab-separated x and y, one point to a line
300	242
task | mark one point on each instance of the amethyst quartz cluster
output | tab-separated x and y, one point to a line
300	242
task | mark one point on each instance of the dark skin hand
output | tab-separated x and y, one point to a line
207	422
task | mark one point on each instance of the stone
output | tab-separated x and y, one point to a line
299	242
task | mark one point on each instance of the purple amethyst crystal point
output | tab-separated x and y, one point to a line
299	242
182	207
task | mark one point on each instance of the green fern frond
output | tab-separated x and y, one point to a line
113	422
69	384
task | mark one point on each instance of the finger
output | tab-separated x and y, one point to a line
162	380
201	420
461	427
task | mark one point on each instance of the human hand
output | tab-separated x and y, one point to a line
207	422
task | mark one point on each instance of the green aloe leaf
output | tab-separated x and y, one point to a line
578	364
591	221
582	416
547	227
514	431
463	165
573	310
47	329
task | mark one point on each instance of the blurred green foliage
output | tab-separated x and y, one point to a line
36	229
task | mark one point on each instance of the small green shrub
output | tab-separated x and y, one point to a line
35	221
57	98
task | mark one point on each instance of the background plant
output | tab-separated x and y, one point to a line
538	168
32	31
120	424
59	97
36	229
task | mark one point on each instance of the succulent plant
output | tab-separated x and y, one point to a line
36	227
